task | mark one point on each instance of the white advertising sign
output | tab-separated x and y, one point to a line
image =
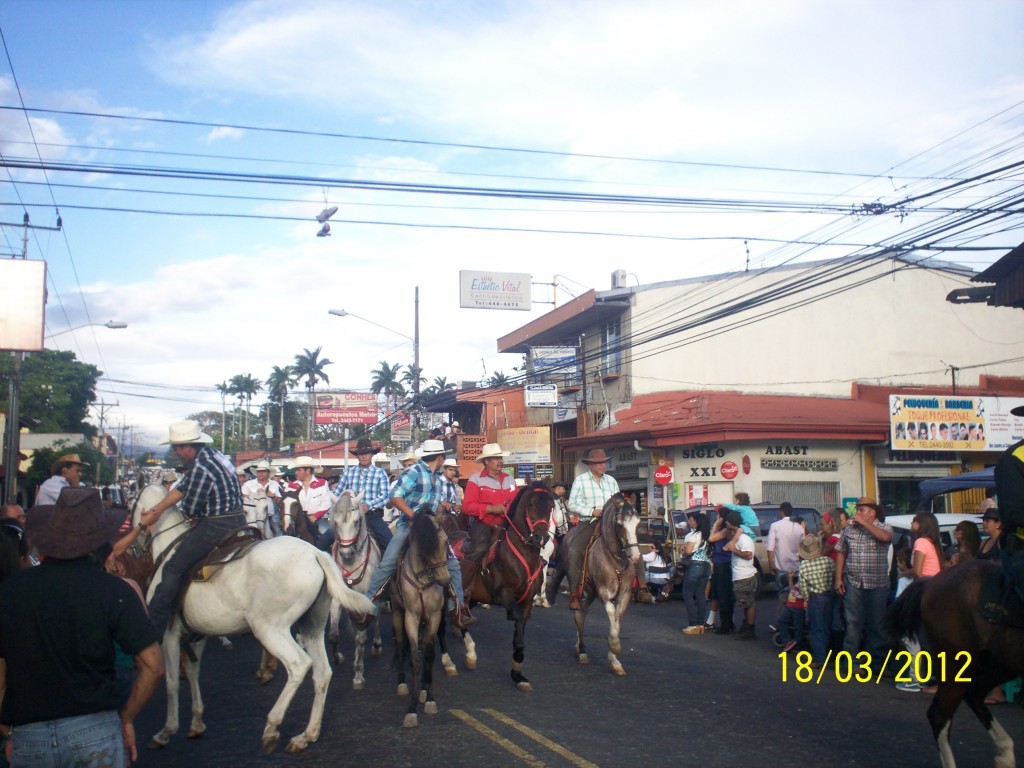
541	395
494	290
22	300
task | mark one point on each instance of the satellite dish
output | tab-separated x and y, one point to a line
326	213
325	230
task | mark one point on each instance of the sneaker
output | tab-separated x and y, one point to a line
789	646
910	687
698	630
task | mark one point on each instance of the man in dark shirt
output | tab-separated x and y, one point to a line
58	626
210	497
1010	492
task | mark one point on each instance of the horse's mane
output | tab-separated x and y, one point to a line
423	536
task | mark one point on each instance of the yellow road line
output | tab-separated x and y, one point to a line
497	738
541	739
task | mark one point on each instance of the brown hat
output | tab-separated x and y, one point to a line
76	525
867	501
67	460
365	445
595	456
810	547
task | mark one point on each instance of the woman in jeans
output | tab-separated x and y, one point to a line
723	601
698	571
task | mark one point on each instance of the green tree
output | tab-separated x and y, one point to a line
279	382
498	379
44	458
310	366
385	382
56	390
245	386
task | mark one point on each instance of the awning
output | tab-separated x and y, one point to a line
982	478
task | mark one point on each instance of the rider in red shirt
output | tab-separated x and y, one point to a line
489	494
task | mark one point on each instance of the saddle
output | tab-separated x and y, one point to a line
1000	602
232	547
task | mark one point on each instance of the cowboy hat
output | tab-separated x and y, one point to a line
308	462
430	448
76	525
408	456
67	460
492	451
170	477
262	466
595	456
365	445
450	463
185	432
867	501
810	547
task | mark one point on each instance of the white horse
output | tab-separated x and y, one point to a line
280	583
258	514
357	555
559	524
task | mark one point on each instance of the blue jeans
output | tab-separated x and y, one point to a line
379	529
85	740
819	620
865	614
791	623
695	584
389	563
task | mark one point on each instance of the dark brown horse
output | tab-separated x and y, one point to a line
976	654
294	518
510	573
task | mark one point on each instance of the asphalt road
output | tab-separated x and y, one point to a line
706	700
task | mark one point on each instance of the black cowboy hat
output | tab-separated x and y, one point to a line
76	525
365	445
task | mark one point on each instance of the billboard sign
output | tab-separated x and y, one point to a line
953	422
541	396
526	445
494	290
345	408
22	302
401	427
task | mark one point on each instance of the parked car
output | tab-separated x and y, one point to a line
901	536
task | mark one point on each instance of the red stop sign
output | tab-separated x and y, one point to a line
663	475
729	470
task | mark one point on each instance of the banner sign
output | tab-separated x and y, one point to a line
22	303
526	445
953	423
541	396
345	408
494	290
401	427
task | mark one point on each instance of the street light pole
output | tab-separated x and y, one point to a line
116	324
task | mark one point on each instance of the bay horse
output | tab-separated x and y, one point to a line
980	655
417	593
510	572
278	584
294	520
608	572
357	555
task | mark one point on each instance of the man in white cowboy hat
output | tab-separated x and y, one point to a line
489	493
590	492
418	492
371	483
65	472
315	498
263	486
210	497
58	626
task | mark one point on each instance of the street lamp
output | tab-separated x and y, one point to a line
415	339
116	324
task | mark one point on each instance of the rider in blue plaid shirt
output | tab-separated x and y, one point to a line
372	483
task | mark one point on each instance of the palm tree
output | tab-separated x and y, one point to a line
441	384
498	379
309	365
224	390
279	382
385	382
247	387
414	379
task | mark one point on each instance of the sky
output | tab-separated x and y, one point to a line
709	123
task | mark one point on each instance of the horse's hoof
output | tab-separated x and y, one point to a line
524	686
194	734
423	697
430	708
403	690
154	744
410	721
375	651
584	658
618	670
270	744
451	671
297	744
358	685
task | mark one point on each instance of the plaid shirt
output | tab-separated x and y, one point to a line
867	558
817	576
210	486
418	487
450	491
371	482
589	493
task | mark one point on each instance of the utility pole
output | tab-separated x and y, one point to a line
416	370
582	414
953	370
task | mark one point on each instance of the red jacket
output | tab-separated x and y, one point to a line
482	491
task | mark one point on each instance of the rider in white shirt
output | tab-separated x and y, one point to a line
262	486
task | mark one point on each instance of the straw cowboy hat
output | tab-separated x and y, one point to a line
492	451
810	547
170	477
430	448
867	501
186	432
450	463
308	462
365	445
595	456
263	466
67	460
76	525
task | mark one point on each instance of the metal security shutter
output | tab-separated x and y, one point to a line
820	496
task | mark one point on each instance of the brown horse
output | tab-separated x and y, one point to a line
608	572
510	573
978	655
294	518
417	595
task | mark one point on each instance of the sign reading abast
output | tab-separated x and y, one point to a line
494	290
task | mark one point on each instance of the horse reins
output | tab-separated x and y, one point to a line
531	524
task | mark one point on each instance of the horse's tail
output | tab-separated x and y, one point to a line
903	618
350	599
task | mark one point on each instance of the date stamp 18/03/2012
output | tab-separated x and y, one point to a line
857	668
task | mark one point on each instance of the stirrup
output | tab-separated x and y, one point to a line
382	590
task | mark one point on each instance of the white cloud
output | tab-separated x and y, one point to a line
224	132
